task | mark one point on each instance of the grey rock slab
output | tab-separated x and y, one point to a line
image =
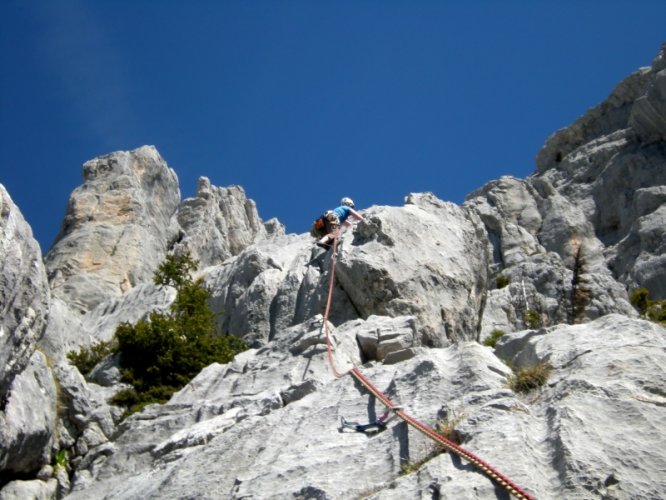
605	372
219	223
116	229
388	268
24	293
33	490
131	307
285	450
28	419
64	331
648	114
380	336
271	286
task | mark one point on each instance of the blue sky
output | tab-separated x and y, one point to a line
303	102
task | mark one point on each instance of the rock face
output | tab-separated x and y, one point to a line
602	370
220	222
589	224
125	217
268	424
425	259
27	388
648	114
616	173
549	260
384	268
28	420
24	295
116	229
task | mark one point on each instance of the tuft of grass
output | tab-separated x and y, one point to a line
653	310
527	379
494	336
446	426
408	467
62	459
533	319
502	281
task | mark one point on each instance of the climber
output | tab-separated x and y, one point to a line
335	218
372	427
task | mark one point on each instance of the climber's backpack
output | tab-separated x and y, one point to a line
318	227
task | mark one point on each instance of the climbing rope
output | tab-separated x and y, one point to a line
449	445
329	348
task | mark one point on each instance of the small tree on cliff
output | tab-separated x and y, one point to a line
160	355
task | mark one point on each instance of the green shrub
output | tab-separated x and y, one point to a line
492	339
62	459
640	299
86	358
653	310
501	281
532	318
529	378
160	355
134	400
175	271
657	312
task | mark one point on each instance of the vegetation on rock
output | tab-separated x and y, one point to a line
580	292
158	356
86	359
529	378
653	310
533	319
502	281
494	336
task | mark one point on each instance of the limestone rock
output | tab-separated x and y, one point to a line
271	286
116	229
589	225
426	259
648	115
85	404
107	372
276	446
380	336
28	419
414	287
609	116
68	331
510	212
603	372
133	306
87	420
639	258
616	175
383	268
64	331
219	223
24	294
231	430
34	490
